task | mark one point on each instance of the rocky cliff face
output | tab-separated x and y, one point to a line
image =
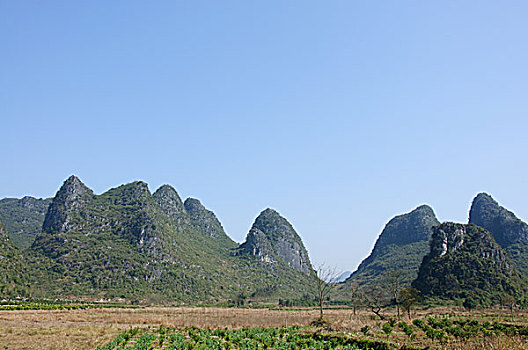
23	218
272	239
67	206
400	247
502	223
450	237
465	261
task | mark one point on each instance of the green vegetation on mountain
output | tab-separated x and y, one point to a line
400	248
131	244
23	218
14	279
466	263
508	230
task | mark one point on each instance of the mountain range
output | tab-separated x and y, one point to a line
128	243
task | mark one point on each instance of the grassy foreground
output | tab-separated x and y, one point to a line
219	328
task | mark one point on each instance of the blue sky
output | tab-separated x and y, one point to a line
339	114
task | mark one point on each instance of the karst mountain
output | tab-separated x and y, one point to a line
399	248
130	243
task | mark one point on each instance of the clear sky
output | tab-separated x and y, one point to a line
338	114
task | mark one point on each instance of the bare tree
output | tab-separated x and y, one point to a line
324	278
393	279
355	295
375	298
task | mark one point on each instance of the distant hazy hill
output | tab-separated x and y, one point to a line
400	247
342	277
508	230
130	243
23	218
465	262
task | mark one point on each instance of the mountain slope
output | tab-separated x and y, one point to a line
400	247
205	221
23	218
273	240
465	262
508	230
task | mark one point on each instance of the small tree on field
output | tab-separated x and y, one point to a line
355	295
508	301
471	302
323	278
240	299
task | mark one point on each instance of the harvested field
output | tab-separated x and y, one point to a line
87	329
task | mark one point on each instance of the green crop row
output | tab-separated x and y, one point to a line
246	338
466	328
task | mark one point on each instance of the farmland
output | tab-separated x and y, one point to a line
208	327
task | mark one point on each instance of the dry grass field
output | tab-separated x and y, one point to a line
86	329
